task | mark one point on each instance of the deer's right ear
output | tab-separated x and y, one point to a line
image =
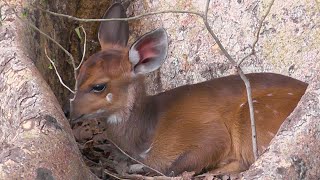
149	52
114	32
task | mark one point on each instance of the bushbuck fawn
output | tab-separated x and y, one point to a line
189	128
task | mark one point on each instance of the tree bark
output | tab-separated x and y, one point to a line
36	139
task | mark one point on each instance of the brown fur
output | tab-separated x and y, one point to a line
191	127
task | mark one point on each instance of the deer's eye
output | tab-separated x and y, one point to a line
98	88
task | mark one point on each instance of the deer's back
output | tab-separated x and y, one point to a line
212	118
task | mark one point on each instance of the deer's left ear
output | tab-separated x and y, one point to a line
114	32
149	51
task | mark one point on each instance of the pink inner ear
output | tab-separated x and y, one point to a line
147	50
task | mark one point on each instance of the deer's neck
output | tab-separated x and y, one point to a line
134	132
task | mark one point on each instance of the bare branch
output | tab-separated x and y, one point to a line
138	176
111	174
135	159
121	19
253	51
84	47
216	39
75	69
57	73
243	77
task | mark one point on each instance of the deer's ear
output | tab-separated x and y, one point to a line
114	32
149	51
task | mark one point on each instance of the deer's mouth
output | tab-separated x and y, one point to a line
97	114
77	119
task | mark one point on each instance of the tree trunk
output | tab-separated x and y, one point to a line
36	139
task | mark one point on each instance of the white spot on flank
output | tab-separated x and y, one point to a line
290	94
261	150
271	134
256	111
242	104
254	101
267	106
144	154
114	119
270	94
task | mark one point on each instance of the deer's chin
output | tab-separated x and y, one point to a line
114	119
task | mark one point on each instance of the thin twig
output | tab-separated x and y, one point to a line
253	51
138	176
84	47
120	19
251	110
136	159
247	56
56	70
225	52
111	174
243	77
